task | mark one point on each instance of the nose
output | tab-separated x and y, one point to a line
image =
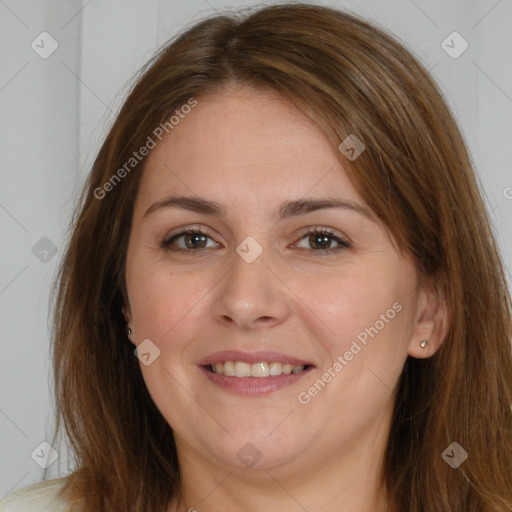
251	295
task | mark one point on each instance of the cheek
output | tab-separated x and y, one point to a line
362	316
153	301
167	306
344	305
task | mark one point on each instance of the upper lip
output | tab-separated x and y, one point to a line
252	357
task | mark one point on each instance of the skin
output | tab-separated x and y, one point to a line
250	151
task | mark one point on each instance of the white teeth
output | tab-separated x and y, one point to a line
262	369
229	368
242	369
275	368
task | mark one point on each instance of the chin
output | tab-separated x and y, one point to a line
252	452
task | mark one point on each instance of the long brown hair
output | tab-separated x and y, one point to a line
415	174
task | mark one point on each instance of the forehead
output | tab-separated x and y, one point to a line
244	143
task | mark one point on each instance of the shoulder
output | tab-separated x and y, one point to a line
40	497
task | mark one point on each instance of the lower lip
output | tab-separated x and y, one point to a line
254	386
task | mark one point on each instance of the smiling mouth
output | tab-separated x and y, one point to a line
261	369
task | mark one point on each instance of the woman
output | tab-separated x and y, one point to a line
284	227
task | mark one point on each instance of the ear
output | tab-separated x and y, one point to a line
432	320
127	313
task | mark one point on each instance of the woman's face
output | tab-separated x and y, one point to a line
225	314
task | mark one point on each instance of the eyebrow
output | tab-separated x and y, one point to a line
287	209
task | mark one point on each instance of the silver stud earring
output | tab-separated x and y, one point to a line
423	344
128	331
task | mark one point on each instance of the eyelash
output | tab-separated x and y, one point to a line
343	244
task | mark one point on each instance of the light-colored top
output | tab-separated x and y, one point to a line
40	497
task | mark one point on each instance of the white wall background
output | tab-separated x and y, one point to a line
55	110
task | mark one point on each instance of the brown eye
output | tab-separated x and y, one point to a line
188	240
322	240
194	240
